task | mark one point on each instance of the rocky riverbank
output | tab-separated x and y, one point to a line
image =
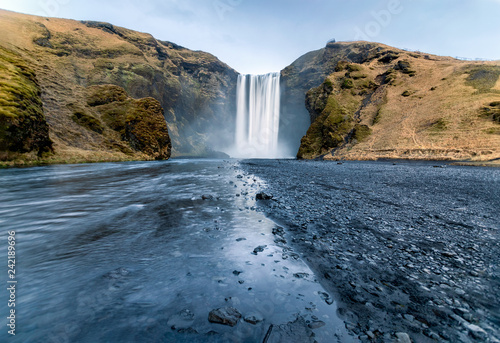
410	250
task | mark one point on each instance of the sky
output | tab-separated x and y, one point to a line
260	36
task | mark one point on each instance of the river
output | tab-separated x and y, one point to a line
143	251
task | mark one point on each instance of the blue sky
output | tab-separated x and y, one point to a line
259	36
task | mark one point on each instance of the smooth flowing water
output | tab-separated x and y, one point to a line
258	115
142	252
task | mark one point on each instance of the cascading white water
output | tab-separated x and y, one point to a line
258	115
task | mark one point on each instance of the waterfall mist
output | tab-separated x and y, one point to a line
258	116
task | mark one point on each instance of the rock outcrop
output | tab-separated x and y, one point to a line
371	101
23	128
65	57
307	72
225	316
130	125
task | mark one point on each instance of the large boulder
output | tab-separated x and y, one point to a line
139	122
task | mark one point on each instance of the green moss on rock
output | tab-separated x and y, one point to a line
349	66
347	84
361	132
358	75
104	64
388	57
105	94
140	123
336	113
146	129
88	121
317	99
23	127
327	132
377	117
341	66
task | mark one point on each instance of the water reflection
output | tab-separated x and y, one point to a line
144	251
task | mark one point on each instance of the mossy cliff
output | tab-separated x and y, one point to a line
307	72
23	128
66	57
127	124
375	101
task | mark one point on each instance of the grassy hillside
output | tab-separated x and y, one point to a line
363	100
389	103
66	57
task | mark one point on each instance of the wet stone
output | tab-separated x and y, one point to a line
263	196
448	254
326	297
280	240
423	257
301	275
278	231
225	316
254	319
402	337
316	324
409	318
260	248
477	332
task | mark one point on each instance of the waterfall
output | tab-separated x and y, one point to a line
258	115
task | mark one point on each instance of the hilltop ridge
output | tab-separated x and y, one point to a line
66	57
348	100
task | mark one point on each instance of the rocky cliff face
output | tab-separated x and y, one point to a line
195	89
370	101
307	72
126	124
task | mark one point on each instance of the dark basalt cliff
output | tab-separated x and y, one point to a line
65	57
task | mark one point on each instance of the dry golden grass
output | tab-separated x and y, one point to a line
443	123
72	156
68	55
63	80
